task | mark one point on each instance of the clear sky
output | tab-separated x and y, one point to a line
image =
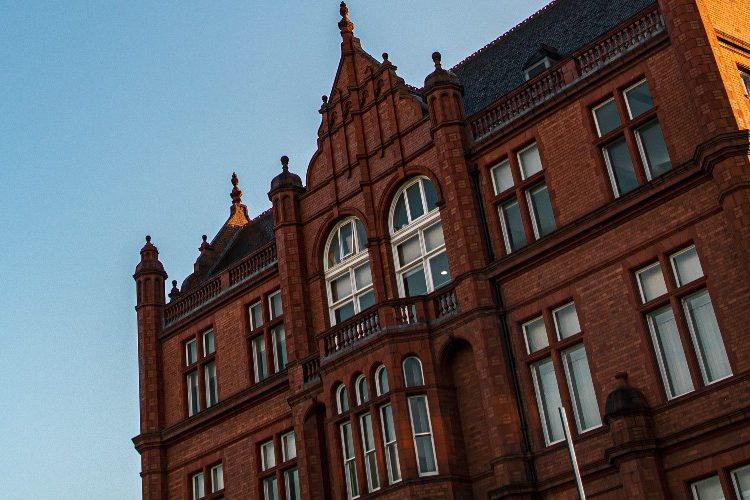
123	118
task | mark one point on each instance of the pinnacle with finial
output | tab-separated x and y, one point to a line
345	25
436	58
285	158
236	193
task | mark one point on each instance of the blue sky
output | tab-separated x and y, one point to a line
119	119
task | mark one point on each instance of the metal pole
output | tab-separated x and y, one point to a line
572	452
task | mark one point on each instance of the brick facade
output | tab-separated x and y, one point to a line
487	425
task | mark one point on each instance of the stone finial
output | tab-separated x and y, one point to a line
204	244
149	260
175	292
285	159
324	98
148	238
437	58
385	56
345	25
238	212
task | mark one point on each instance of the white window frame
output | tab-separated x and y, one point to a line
268	483
194	407
596	120
660	355
640	286
256	367
430	433
205	335
532	213
557	325
378	386
358	392
520	161
210	399
348	479
250	308
415	227
546	61
735	481
745	80
524	328
421	371
642	150
285	456
504	225
694	486
287	489
264	465
573	392
675	271
697	349
369	452
275	343
339	407
197	494
497	166
271	297
540	403
194	343
625	95
359	256
610	168
217	474
386	444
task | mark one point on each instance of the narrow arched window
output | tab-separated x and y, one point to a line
347	271
413	372
342	399
363	393
381	381
417	238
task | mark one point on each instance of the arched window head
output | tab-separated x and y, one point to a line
381	381
363	393
342	399
418	241
347	271
413	372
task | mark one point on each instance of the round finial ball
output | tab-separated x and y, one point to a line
174	282
324	98
285	161
385	56
204	238
148	238
436	57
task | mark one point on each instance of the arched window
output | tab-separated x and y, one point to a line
347	271
413	372
342	399
417	237
363	393
381	381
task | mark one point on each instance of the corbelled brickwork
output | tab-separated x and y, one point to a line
485	426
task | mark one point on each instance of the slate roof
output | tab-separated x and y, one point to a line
565	25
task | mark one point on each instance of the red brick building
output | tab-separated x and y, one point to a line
562	220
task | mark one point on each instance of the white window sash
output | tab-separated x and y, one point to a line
430	434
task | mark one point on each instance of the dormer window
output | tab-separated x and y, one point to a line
544	57
537	68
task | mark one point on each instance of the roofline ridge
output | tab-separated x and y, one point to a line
501	37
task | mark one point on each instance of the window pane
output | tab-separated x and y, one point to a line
651	282
366	300
259	358
191	352
416	208
566	321
199	489
513	231
670	352
582	389
502	177
279	348
334	250
707	337
274	302
414	282
656	157
363	392
413	372
530	161
400	218
343	399
745	81
536	335
548	396
288	446
208	343
425	456
687	266
344	312
433	237
270	488
607	117
217	478
409	250
420	422
341	287
708	489
536	69
389	439
362	276
541	208
741	480
267	455
429	194
192	393
291	484
346	236
256	316
620	166
361	235
212	390
368	447
439	270
638	99
382	380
